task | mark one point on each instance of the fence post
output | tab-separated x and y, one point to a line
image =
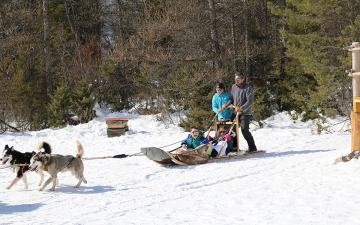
355	115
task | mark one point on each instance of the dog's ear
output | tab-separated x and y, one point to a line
33	153
6	146
12	148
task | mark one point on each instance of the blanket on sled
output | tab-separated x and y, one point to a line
193	156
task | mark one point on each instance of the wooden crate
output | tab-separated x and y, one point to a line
116	126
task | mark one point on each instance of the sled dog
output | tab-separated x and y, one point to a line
12	156
53	164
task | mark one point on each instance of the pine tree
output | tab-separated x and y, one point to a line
315	82
83	102
59	110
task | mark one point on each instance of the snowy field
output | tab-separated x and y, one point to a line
295	182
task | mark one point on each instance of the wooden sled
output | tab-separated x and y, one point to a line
167	158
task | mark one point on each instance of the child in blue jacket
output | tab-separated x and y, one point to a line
195	139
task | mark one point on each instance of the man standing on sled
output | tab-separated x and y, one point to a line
242	97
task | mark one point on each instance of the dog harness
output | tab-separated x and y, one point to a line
68	164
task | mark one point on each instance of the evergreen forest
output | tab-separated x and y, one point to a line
58	58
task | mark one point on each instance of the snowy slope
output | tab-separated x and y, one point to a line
296	182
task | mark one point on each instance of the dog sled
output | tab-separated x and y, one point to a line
191	156
199	155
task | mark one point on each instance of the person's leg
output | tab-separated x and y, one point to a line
245	123
221	146
234	143
229	146
213	153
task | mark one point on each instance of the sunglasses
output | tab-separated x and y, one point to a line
195	132
219	89
239	78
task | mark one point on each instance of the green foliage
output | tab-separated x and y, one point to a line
190	86
59	110
25	91
320	127
65	104
353	30
315	81
83	102
117	88
199	105
163	56
262	100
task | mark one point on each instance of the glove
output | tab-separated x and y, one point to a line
208	137
228	137
238	109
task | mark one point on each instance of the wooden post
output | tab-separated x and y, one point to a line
355	115
228	123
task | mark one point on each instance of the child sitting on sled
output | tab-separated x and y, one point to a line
197	138
221	143
194	139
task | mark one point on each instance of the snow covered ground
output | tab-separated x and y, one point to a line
295	182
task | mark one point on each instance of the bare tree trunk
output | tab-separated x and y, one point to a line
120	30
214	35
49	88
121	23
233	42
247	47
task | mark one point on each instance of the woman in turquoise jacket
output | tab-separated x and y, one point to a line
220	98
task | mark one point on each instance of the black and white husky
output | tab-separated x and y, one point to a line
12	156
55	163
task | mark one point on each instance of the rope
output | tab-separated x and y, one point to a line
15	165
171	144
208	131
115	156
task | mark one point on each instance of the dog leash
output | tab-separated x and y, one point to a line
15	165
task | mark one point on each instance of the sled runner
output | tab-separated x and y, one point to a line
189	157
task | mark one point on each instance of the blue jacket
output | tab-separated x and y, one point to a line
193	143
218	101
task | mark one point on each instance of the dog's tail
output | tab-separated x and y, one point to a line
45	146
80	149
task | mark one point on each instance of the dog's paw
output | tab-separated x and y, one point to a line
51	189
40	189
8	187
